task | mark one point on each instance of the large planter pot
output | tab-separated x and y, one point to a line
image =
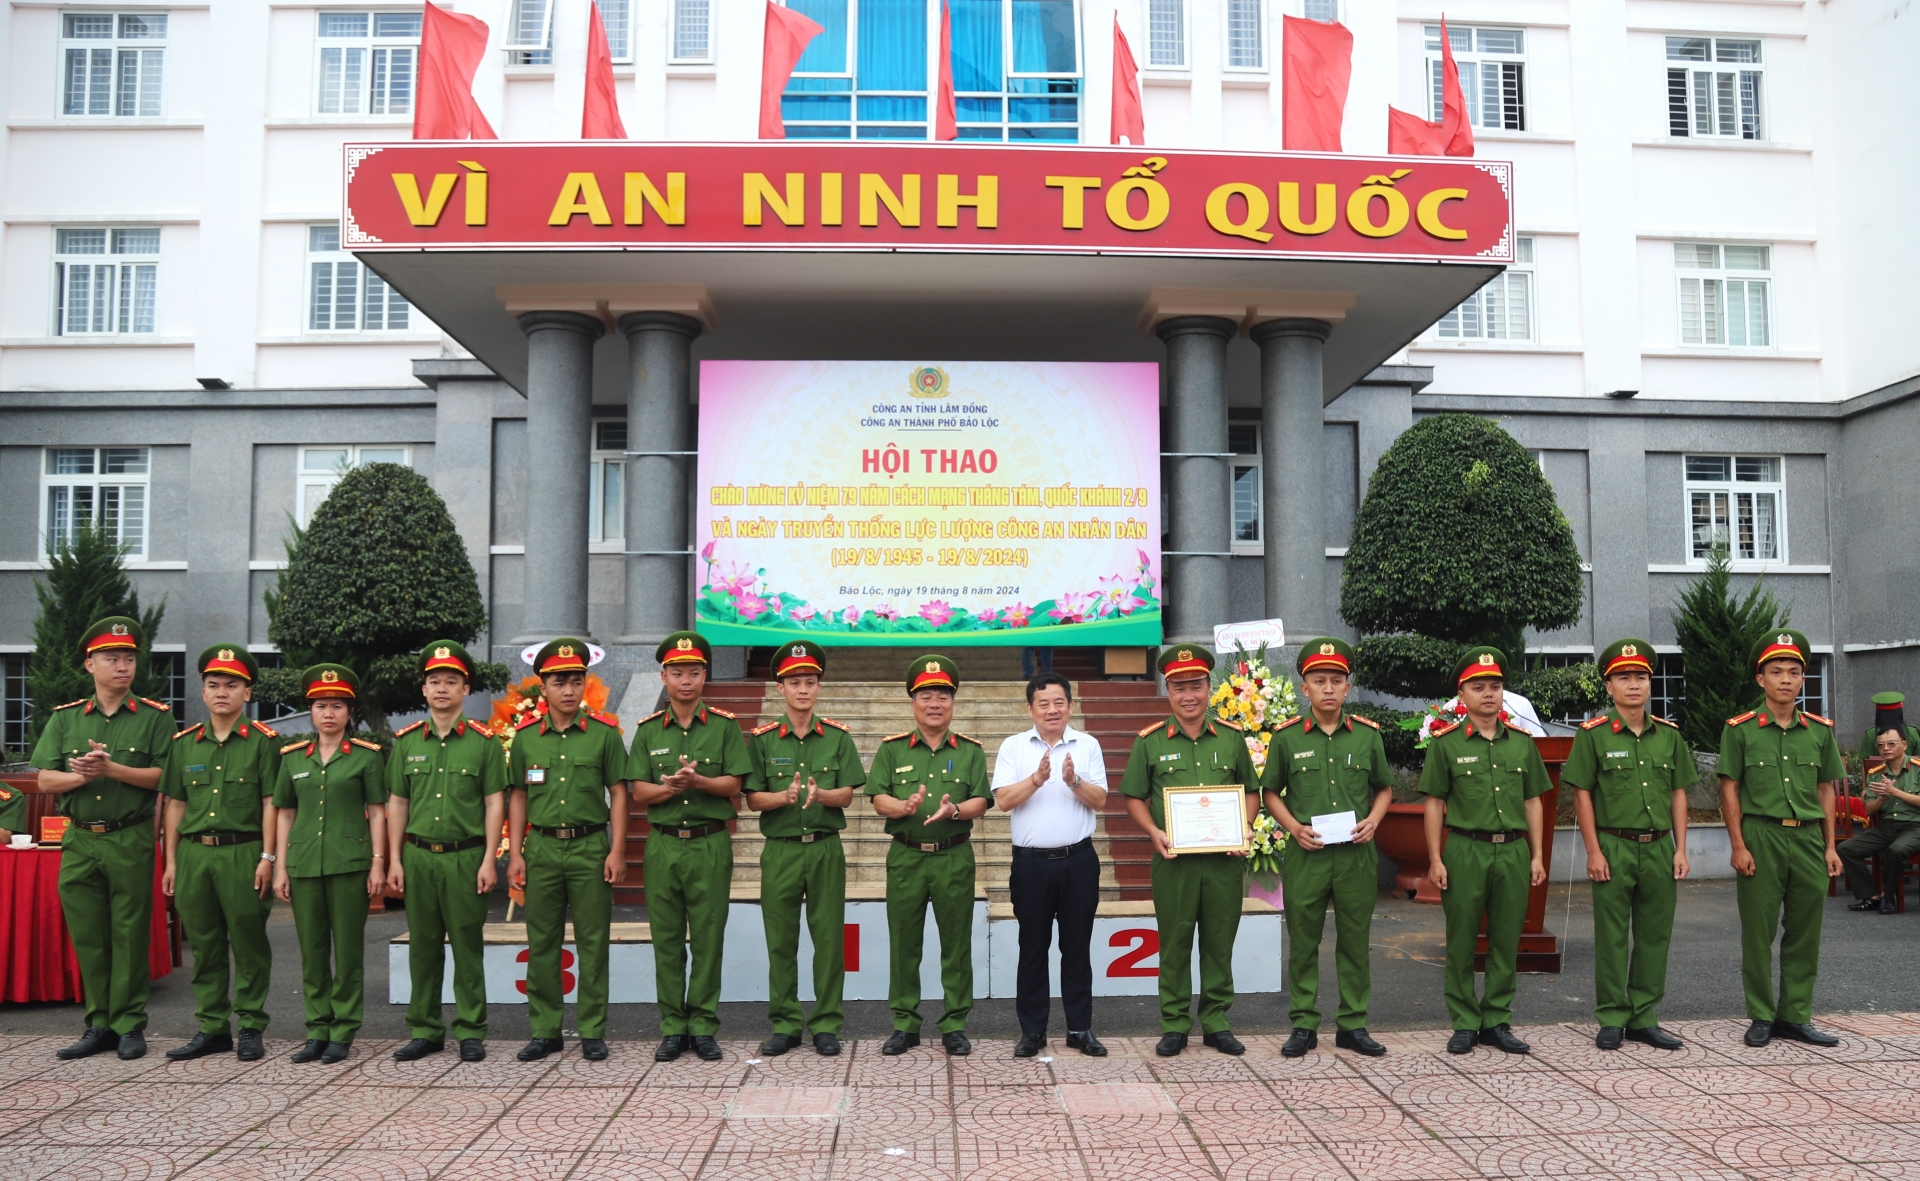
1403	839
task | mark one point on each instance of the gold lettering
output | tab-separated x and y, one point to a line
672	207
424	213
1326	207
580	194
476	192
758	194
1428	212
905	208
1157	203
832	202
1257	209
1073	199
985	201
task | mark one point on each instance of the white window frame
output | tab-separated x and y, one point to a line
378	53
616	14
1332	5
687	12
315	478
1725	506
1707	296
120	275
1247	465
1158	13
124	489
342	267
1262	51
1475	75
145	54
608	462
1726	86
1472	321
529	36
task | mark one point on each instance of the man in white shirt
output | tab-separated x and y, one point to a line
1052	779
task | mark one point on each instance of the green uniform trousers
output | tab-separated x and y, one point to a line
330	917
563	874
106	891
1491	882
1637	900
443	909
944	880
688	883
224	914
792	873
1202	890
1786	898
1346	875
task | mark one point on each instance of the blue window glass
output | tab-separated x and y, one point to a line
976	45
1043	37
827	53
893	45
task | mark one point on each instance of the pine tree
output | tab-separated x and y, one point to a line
1717	632
85	582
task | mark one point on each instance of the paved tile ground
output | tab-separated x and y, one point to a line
1715	1110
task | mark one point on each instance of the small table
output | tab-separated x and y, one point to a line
37	962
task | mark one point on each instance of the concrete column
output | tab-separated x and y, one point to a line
559	444
1292	472
1198	491
659	420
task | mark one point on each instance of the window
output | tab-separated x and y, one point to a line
616	17
1669	697
1723	294
322	467
1492	74
343	295
1736	502
1246	35
112	63
16	708
692	30
1502	310
1320	10
1718	97
367	62
1539	660
529	39
1813	691
1167	33
105	486
171	669
1016	70
607	492
105	280
1243	439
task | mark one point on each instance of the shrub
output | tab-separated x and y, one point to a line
1717	630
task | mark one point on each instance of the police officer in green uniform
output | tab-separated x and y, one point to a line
567	845
1324	762
1483	781
1630	772
688	763
1889	711
1893	801
103	756
219	788
443	860
1778	768
331	795
805	768
1191	890
13	812
930	784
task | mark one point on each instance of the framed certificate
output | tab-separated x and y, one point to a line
1207	819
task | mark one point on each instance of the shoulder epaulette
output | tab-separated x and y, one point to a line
372	746
1364	720
604	719
1229	725
656	713
1590	723
193	729
5	794
838	725
894	737
70	705
529	720
1817	718
269	731
1146	730
290	747
403	731
759	730
1664	721
1743	717
155	704
485	730
1437	731
1297	718
968	738
725	713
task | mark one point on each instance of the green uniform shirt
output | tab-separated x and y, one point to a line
824	754
1894	809
1163	756
222	783
13	810
566	773
331	834
713	741
138	734
1486	783
446	781
1632	779
1317	772
1780	769
957	769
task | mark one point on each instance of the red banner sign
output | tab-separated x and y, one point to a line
801	196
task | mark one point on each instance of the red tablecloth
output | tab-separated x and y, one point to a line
36	956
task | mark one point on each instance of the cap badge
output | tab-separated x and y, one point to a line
1326	650
1629	650
933	666
1185	654
442	653
1486	658
565	650
119	629
799	650
328	677
1785	639
685	645
226	654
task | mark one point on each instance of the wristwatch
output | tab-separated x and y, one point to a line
268	858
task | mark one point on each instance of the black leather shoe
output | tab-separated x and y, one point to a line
1170	1044
956	1044
133	1045
336	1053
310	1052
671	1047
1359	1042
705	1048
1656	1037
901	1041
1501	1037
540	1047
97	1039
1462	1041
1795	1032
1030	1045
826	1045
201	1045
1865	904
1087	1044
1759	1034
1610	1037
1889	906
779	1044
417	1049
593	1049
1224	1041
1299	1042
473	1050
250	1046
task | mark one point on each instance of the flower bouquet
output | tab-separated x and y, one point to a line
1434	716
1247	693
1263	859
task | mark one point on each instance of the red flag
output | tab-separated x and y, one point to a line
1410	135
451	47
786	39
1318	63
945	120
1129	119
600	116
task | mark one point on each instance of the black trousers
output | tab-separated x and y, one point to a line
1064	890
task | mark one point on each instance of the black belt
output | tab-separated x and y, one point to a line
1053	854
1639	836
1491	838
217	839
101	827
569	834
930	846
806	838
446	846
1782	821
694	831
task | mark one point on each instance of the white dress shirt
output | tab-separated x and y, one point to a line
1052	817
